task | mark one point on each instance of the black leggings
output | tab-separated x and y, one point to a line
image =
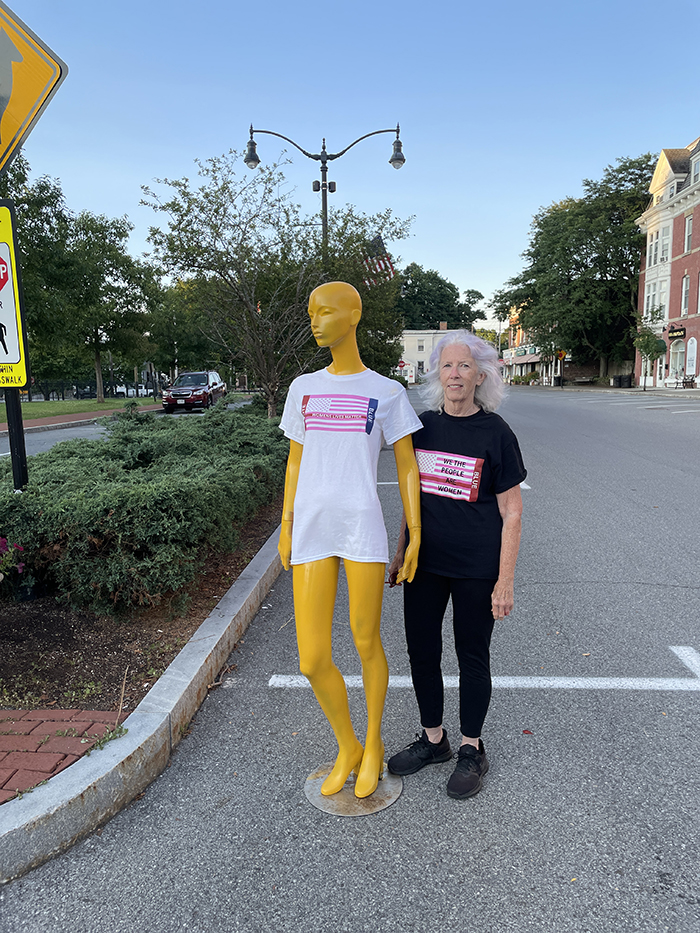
425	601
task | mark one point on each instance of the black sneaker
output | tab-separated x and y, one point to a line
466	778
420	753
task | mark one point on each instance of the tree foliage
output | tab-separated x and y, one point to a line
578	290
83	292
249	260
427	299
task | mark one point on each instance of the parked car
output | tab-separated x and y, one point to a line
194	390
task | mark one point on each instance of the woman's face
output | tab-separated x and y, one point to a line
459	375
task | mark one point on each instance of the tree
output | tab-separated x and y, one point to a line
646	339
110	293
177	331
427	299
491	336
43	229
251	260
578	290
83	293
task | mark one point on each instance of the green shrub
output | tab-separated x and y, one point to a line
118	522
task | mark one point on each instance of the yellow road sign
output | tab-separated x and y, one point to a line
30	74
13	349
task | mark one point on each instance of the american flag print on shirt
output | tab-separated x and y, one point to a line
451	475
346	413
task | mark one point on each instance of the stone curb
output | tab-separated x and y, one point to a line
76	801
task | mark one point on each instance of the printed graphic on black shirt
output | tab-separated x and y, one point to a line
451	475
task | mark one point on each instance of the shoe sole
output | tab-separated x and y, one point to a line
433	761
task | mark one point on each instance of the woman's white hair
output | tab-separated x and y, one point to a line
489	394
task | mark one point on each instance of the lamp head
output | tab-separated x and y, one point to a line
251	154
397	157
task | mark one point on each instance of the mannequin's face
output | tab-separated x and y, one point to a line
330	325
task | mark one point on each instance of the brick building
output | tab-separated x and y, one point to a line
670	276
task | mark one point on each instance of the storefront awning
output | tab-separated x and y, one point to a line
528	358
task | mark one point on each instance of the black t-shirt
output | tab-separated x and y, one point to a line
463	463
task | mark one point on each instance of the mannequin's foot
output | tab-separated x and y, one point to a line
370	770
345	763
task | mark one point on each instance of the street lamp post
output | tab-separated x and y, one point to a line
324	186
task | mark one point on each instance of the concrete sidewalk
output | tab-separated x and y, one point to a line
77	799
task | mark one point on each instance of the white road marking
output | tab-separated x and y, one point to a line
689	656
7	454
524	485
685	411
395	483
686	654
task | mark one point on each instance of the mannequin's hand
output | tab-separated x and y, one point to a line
284	548
410	561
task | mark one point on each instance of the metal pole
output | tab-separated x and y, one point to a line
15	431
324	205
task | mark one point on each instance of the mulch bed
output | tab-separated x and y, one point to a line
54	656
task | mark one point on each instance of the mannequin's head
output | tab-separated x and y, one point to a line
335	310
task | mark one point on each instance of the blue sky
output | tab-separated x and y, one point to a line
503	108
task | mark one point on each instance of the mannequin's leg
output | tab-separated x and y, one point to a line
315	586
366	589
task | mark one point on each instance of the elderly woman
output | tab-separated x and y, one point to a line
470	473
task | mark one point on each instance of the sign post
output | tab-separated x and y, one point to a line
561	354
13	344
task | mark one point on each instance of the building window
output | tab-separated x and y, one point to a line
671	191
663	297
688	233
677	362
665	242
421	366
420	348
685	294
653	249
696	171
650	300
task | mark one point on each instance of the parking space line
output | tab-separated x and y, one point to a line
686	654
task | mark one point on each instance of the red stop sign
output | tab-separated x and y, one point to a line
4	274
401	362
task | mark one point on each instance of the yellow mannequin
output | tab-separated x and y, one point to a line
335	310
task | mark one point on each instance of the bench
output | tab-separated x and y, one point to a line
685	383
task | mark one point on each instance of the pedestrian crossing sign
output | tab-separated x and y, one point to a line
30	74
13	345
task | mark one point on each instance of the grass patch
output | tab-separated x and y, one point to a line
31	410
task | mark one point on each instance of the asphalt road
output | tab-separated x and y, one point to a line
37	441
588	820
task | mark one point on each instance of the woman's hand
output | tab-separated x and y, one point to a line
502	599
394	568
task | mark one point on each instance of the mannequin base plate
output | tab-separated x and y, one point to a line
345	803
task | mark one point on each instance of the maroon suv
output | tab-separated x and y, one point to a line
194	390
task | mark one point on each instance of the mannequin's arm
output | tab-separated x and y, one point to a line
409	486
284	547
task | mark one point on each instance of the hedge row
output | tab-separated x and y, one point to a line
115	523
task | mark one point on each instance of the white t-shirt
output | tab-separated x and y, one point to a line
342	422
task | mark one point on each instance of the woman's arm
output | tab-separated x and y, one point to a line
284	548
409	486
510	505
